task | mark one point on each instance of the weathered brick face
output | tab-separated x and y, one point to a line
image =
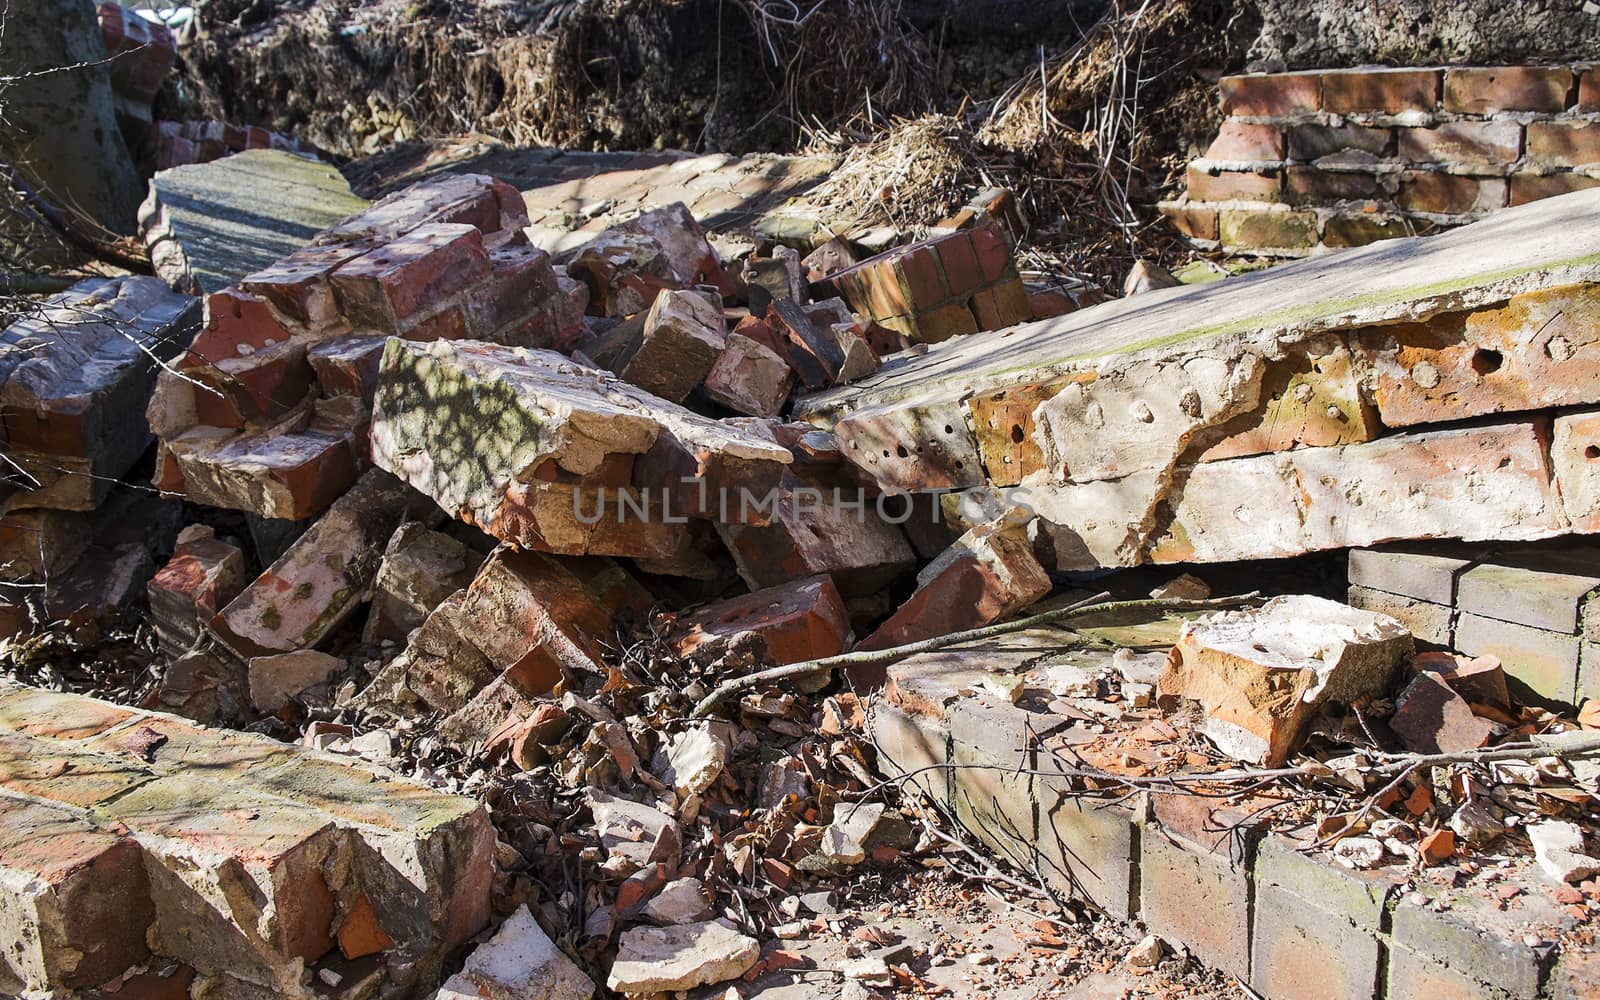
1379	153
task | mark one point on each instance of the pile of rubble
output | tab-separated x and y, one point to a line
720	578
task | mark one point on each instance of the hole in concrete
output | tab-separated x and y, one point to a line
1016	433
1485	361
886	453
1592	452
901	451
948	429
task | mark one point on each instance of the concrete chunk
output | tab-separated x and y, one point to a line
519	963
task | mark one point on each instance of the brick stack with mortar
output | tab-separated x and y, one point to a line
1341	158
180	143
1534	608
976	730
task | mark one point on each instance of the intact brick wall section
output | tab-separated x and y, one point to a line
1216	876
1346	157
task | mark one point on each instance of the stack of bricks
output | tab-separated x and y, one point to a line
182	143
1345	157
937	289
1232	884
145	856
267	412
74	378
1536	609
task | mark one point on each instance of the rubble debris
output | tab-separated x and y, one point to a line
682	901
1146	954
681	957
209	225
519	963
1261	674
1558	847
73	380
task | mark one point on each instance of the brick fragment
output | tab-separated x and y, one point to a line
298	285
203	575
990	572
1262	720
1575	459
1241	141
624	272
683	337
802	620
749	378
1430	717
1541	666
420	569
323	577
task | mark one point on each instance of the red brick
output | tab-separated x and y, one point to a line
347	366
446	324
298	284
1191	220
1473	90
237	325
1271	94
386	288
1532	187
989	242
202	576
1245	141
1449	194
1589	90
1563	144
802	620
1463	144
521	284
82	891
921	277
1388	91
1313	141
1309	185
1234	185
291	476
254	389
960	263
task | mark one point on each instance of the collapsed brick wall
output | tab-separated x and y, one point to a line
182	143
1346	157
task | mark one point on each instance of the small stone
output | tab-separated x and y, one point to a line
1187	587
680	902
693	760
1558	847
277	680
658	959
1146	954
871	970
519	963
845	839
1358	852
1475	824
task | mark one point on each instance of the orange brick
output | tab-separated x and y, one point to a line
1388	91
1191	220
1482	90
1246	141
1449	194
1234	185
1270	94
1564	144
1463	144
802	620
1532	187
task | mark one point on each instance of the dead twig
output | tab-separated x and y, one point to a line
1098	604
